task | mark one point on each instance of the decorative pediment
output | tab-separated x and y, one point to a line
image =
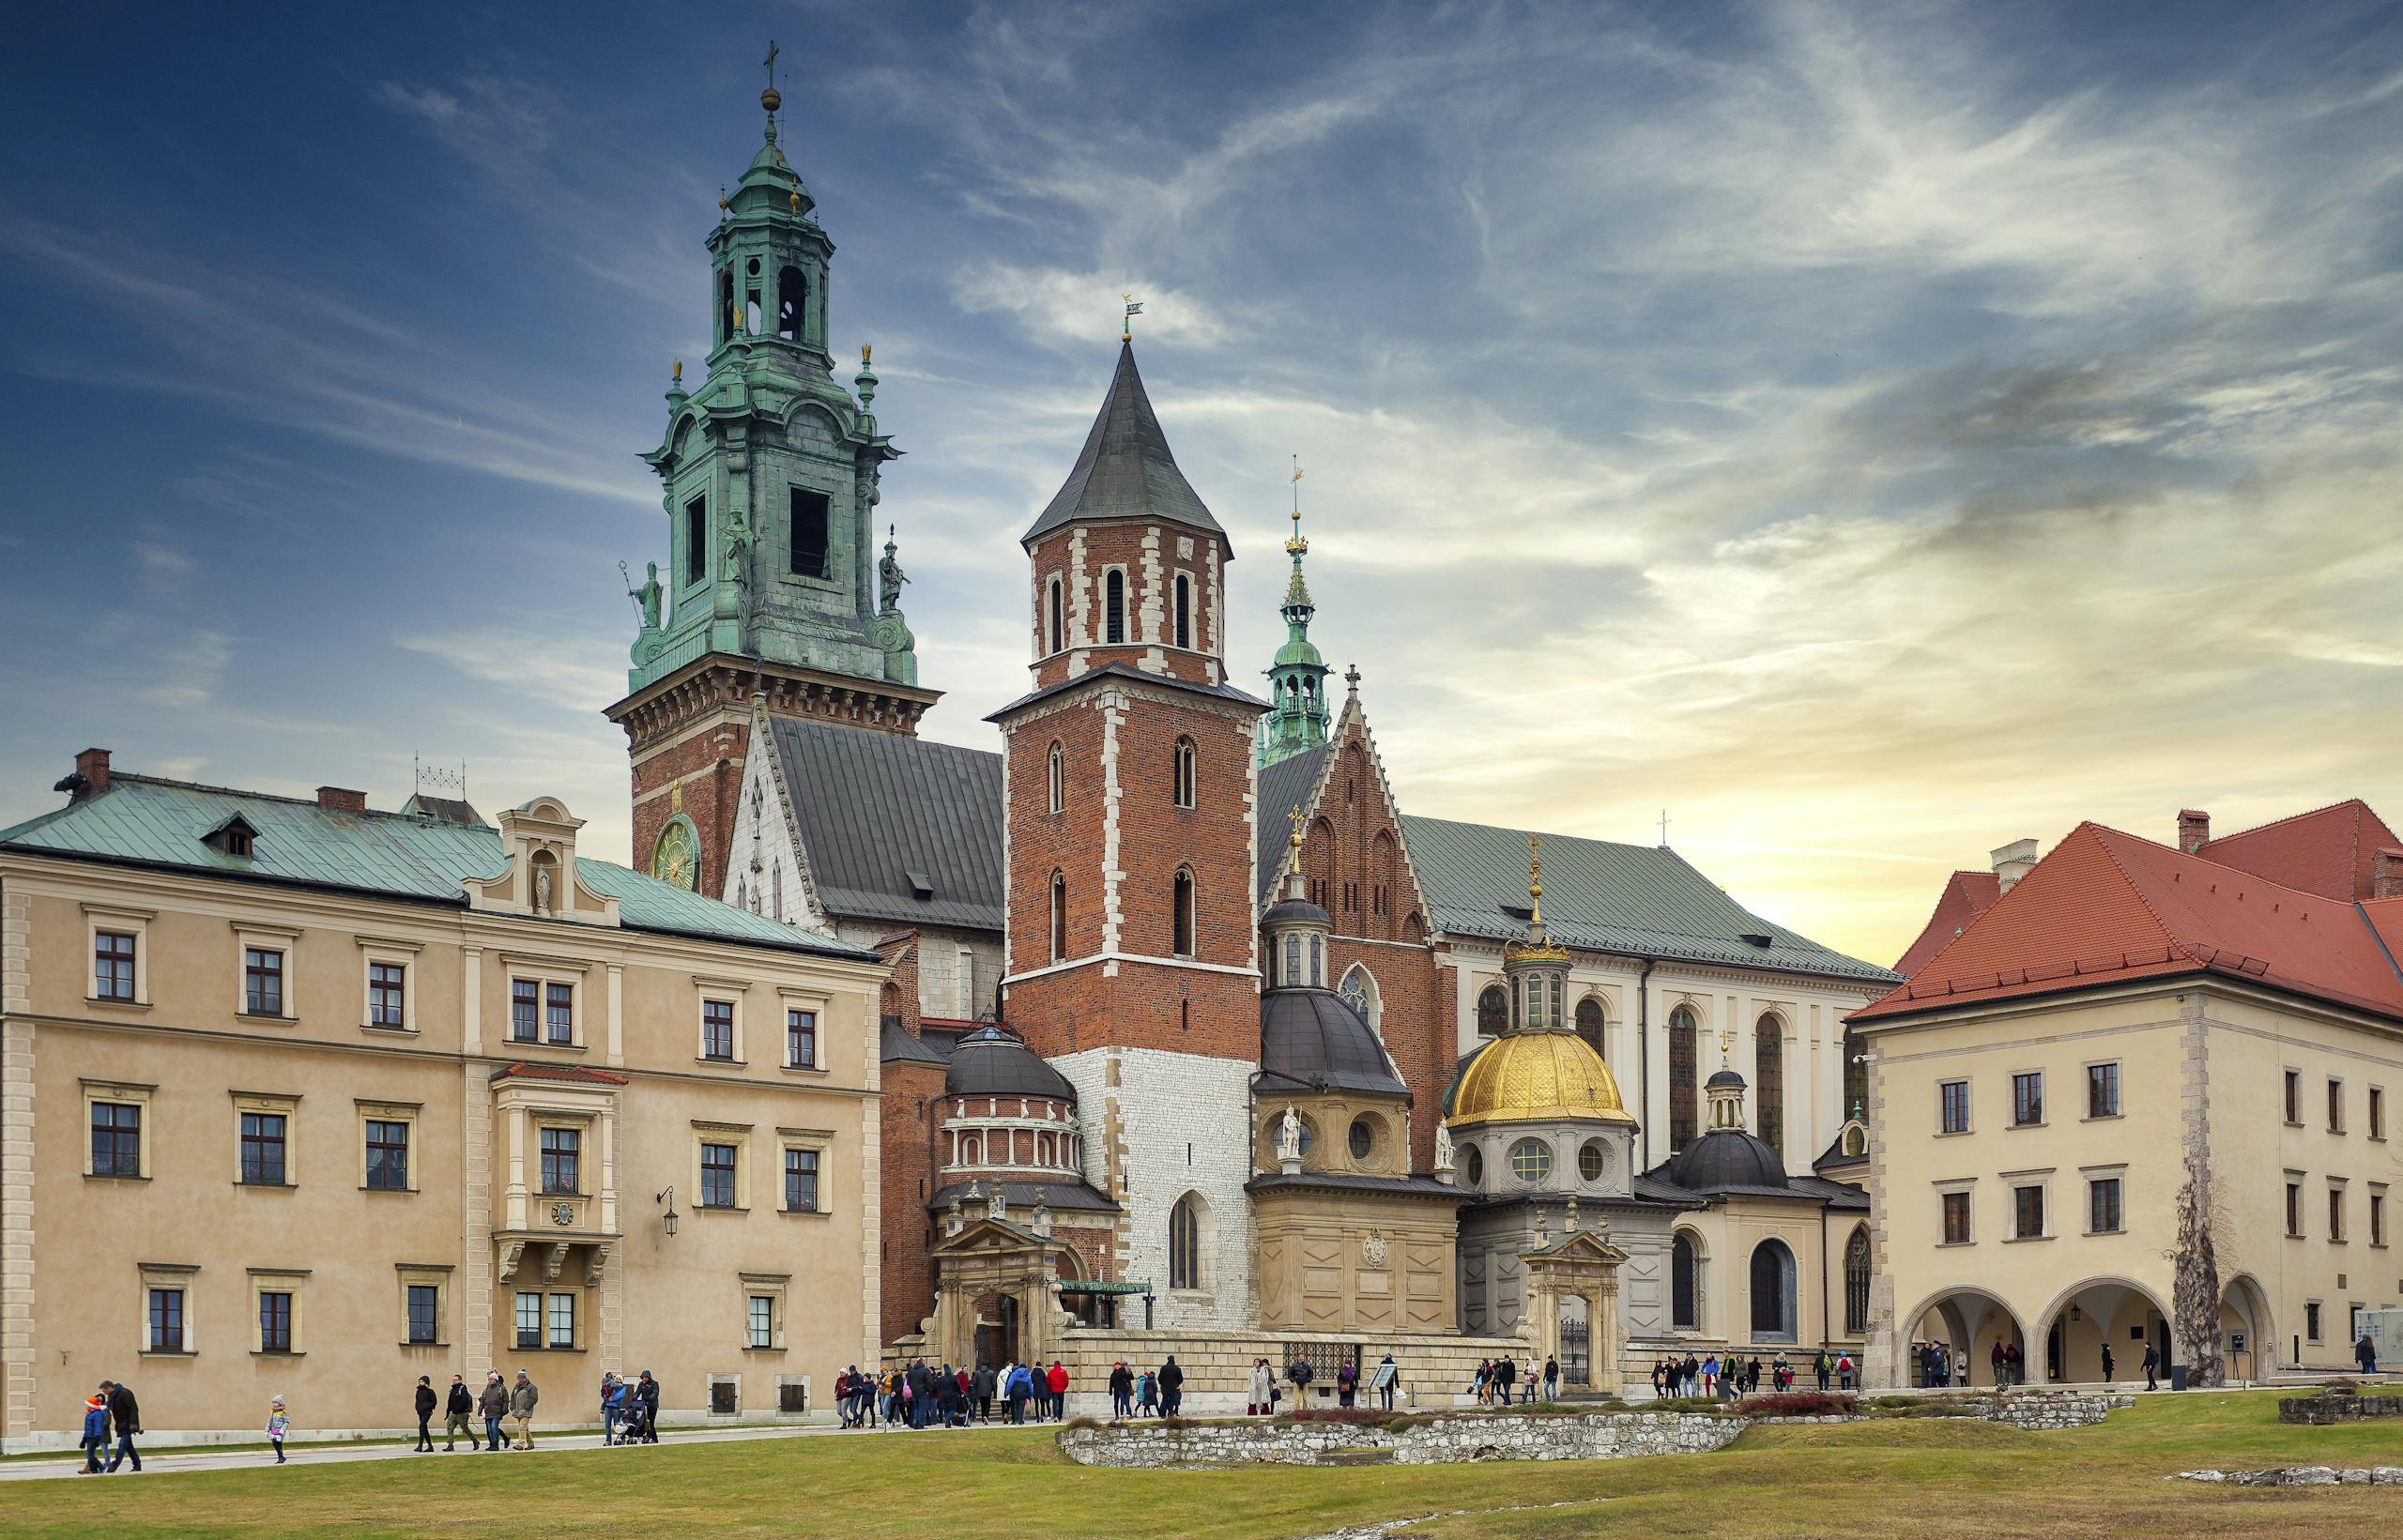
541	878
1578	1246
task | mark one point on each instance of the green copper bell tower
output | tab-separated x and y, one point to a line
1296	718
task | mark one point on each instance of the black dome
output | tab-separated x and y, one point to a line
1313	1037
991	1061
1727	1157
1724	1078
1297	911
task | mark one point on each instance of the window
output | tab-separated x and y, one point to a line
387	995
2294	1097
1592	1160
697	542
1856	1283
800	1181
530	1320
792	304
116	1140
2336	1215
717	1176
717	1031
809	532
2377	1217
1055	781
1292	959
2378	1112
801	1040
2336	1107
1954	1097
1492	1011
1184	611
562	1154
1057	634
1956	1219
388	1156
262	983
2027	1099
1184	1245
1059	918
1773	1301
524	1001
723	1394
1472	1162
1768	1080
2311	1320
2102	1090
762	1322
1362	1138
2027	1211
111	964
2102	1206
166	1321
1182	772
1531	1160
1182	942
1685	1108
1685	1284
558	1014
1589	1022
275	1321
563	1332
263	1149
1318	962
1113	589
425	1313
2294	1208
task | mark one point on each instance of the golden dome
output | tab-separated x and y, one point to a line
1530	1078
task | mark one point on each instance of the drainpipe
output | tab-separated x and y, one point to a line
1644	1057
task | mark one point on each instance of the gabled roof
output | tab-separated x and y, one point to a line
1128	671
2329	851
1288	783
575	1074
1965	897
1125	469
874	808
140	821
2106	907
1600	896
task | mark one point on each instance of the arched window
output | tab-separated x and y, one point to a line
1359	987
1184	610
792	304
1185	1243
1055	777
1056	632
1856	1077
1318	962
725	303
1589	1022
1182	773
1685	1105
1768	1082
1492	1011
1856	1283
1772	1292
1685	1283
1183	941
1059	918
1113	588
1292	959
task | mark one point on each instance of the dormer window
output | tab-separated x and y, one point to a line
234	837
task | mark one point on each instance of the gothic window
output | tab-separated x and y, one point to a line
697	541
1183	772
792	304
1182	939
1685	1284
1772	1292
1769	1081
1856	1283
1589	1022
1059	918
809	532
1056	635
1113	589
1055	779
1685	1108
1184	610
1184	1244
1492	1011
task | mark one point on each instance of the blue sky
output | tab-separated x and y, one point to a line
1873	434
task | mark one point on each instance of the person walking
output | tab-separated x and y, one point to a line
1016	1394
1260	1389
492	1404
96	1431
1298	1374
1551	1378
278	1424
2107	1366
1823	1368
2364	1354
523	1398
1171	1387
1710	1376
1058	1381
423	1401
124	1421
1504	1376
646	1393
1994	1361
456	1404
1844	1370
1147	1394
1122	1392
2152	1368
1390	1379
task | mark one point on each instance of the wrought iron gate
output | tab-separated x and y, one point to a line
1574	1341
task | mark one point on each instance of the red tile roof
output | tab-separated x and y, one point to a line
2329	850
1965	897
2106	906
573	1074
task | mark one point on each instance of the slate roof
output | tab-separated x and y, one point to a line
1834	1194
1284	786
1313	1037
1020	1196
1128	671
2331	851
1965	897
895	1045
875	808
1411	1186
143	821
1126	470
994	1061
1600	896
443	809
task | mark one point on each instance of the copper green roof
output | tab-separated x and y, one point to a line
142	821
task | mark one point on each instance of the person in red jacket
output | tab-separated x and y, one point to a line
1058	1381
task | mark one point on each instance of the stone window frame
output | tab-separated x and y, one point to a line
819	1142
1053	622
2315	1314
739	1136
1968	1107
2376	1125
2293	1090
374	949
541	1119
815	1003
284	941
2118	1089
1965	1188
272	1104
435	1275
119	921
1184	580
777	1289
709	1405
542	972
2088	1177
1129	611
117	1093
279	1280
2336	1105
1698	1246
181	1277
708	990
411	1113
2043	1100
2337	1235
1204	1246
2015	1182
2377	1214
2294	1212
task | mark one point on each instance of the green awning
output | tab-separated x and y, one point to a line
1089	1286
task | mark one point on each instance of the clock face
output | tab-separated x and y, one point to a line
676	858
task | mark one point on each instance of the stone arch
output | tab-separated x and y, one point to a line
2106	1305
1592	1022
1768	1080
1972	1320
2245	1309
1685	1078
1773	1285
1359	986
1688	1281
1856	1281
1492	1011
1192	1236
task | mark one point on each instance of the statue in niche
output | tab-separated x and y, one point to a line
738	548
1443	1147
542	889
1288	1135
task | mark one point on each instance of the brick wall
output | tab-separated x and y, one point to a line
707	760
1151	556
911	1093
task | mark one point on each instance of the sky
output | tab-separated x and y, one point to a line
1870	435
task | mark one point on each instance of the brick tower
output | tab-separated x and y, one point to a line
1132	960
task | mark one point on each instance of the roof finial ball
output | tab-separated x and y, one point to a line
770	98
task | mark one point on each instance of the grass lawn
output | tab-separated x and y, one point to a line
1917	1478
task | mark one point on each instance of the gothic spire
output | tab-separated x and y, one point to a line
1297	676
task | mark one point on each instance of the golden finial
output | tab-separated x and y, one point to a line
680	374
794	199
1297	543
738	320
770	98
1534	880
1726	1046
864	350
720	196
1294	817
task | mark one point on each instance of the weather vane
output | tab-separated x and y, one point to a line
1127	325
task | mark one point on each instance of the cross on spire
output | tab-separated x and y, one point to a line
769	64
1664	828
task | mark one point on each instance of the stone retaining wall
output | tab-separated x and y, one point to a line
2343	1406
2045	1412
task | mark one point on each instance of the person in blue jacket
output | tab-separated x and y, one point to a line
96	1432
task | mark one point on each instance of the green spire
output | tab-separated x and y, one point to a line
1297	677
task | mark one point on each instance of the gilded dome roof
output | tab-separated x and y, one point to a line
1528	1077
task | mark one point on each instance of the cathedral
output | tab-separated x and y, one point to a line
1190	1031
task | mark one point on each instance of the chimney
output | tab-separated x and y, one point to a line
2014	860
2194	831
2386	874
341	800
90	778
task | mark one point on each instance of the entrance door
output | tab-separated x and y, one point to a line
997	1329
1576	1341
